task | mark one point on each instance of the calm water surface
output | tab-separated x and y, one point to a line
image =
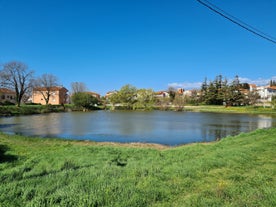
164	127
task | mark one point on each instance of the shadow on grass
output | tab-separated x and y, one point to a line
4	157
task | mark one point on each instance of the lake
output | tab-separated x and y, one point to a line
163	127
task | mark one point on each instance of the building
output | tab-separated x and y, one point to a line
58	95
94	94
266	92
161	94
110	93
7	95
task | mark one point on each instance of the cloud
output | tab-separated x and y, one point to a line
258	82
197	85
186	85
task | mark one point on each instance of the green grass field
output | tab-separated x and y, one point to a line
236	171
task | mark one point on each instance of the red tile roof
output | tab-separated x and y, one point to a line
5	90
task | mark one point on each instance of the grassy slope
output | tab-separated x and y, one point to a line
237	171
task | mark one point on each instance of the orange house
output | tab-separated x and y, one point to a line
58	95
7	95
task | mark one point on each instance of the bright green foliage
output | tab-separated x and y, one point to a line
84	100
236	171
145	99
126	96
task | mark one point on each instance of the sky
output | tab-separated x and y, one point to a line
154	44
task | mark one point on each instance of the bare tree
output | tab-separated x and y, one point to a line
44	85
78	87
16	76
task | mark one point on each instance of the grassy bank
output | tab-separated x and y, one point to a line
13	110
30	109
236	171
233	109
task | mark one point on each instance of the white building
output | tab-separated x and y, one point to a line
266	92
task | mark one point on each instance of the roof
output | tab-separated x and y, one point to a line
272	87
5	90
53	88
93	93
253	85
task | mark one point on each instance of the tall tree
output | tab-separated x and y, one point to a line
77	87
236	97
16	76
45	84
172	93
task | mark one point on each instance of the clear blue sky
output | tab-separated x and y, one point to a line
147	43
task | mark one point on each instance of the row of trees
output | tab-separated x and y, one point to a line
219	92
16	76
216	92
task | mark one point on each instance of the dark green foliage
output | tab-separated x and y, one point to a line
84	100
272	83
219	92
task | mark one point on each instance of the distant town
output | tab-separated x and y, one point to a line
19	87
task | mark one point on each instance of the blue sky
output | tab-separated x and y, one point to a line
147	43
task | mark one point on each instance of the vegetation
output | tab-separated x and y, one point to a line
236	171
84	100
16	76
272	83
31	109
219	92
236	109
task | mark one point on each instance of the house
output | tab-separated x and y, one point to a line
266	92
96	95
58	95
110	93
252	87
161	94
7	95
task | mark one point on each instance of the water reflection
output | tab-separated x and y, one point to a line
171	128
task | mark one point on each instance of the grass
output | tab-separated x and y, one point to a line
233	109
29	109
236	171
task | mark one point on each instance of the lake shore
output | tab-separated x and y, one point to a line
236	171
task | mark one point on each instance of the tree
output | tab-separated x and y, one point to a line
179	101
126	96
145	99
78	87
45	84
84	100
172	93
273	102
236	98
16	76
272	83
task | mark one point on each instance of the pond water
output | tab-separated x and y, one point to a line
163	127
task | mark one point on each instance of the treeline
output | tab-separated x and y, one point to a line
216	92
220	92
